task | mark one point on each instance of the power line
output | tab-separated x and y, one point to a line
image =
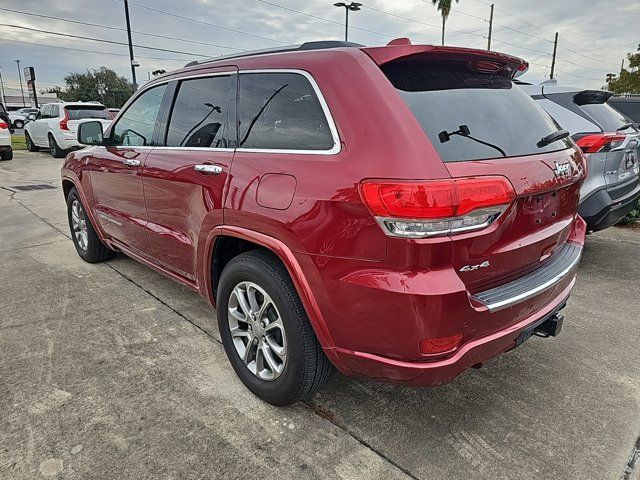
586	56
521	47
95	51
418	21
579	76
204	23
581	66
102	40
77	22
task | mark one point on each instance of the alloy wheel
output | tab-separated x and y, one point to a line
257	331
79	225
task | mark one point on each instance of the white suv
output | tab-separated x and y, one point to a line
56	124
6	152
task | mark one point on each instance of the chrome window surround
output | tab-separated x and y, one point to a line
337	146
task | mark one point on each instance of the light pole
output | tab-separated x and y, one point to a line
21	87
353	7
4	99
134	64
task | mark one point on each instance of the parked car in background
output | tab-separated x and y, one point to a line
6	151
405	233
55	125
20	118
628	105
4	116
611	143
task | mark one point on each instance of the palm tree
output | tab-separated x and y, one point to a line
445	9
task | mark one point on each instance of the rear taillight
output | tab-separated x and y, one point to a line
437	207
63	122
600	142
3	126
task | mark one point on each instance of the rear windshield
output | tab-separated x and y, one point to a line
630	108
608	118
470	115
84	111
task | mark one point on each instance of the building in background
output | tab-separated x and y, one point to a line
13	98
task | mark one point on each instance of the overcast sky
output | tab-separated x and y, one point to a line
594	37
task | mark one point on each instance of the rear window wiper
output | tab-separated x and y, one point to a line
552	137
463	131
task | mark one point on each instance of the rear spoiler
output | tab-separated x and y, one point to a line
482	60
589	97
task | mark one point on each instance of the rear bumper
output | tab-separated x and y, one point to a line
5	148
443	371
600	211
68	141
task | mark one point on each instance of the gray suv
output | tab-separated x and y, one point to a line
611	143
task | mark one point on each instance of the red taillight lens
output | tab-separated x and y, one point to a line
438	207
63	122
410	200
599	142
3	126
436	199
432	346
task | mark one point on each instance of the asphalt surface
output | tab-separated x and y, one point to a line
113	371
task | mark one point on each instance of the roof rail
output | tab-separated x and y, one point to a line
318	45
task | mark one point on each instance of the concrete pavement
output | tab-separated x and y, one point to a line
113	371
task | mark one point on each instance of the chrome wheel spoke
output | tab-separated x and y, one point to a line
79	225
257	331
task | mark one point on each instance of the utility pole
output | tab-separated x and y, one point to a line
21	87
553	60
4	98
133	62
490	28
354	7
622	66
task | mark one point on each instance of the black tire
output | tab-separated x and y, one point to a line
7	155
56	151
18	124
306	368
29	143
95	251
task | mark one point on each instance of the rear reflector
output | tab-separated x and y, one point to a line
438	207
600	142
433	346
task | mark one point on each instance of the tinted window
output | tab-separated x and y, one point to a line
135	126
80	112
498	118
45	111
281	111
54	112
607	117
199	115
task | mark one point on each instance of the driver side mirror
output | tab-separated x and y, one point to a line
90	133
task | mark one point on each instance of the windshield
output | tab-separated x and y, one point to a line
81	112
470	115
607	117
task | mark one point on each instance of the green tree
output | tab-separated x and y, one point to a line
628	81
101	84
444	6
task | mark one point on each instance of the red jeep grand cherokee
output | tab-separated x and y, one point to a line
401	212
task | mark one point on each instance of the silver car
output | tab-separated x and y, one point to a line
611	143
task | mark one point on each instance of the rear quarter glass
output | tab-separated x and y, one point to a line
79	112
497	118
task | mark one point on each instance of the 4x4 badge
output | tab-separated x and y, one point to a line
471	268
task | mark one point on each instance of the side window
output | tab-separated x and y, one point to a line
135	126
199	116
281	111
44	111
54	112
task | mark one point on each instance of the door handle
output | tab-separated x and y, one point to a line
209	169
131	163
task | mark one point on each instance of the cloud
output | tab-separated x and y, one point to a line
591	42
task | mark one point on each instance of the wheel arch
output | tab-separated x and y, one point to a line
218	245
